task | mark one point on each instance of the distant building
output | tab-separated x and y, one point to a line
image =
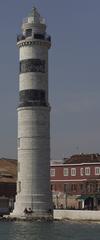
75	182
8	172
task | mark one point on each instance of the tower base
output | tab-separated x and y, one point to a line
33	210
32	216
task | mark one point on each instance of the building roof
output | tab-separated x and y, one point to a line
8	167
82	158
56	162
8	170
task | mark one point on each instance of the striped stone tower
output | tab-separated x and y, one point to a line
33	184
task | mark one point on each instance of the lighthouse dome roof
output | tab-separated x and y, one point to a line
34	17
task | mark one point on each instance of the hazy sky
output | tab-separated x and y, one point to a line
74	74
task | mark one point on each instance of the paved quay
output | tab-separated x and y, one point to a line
86	215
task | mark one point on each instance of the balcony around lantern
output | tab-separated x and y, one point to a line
20	37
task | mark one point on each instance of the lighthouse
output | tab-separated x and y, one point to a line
33	182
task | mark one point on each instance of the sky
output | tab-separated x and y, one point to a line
74	74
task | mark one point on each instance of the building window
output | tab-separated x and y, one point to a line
39	36
98	187
53	187
81	187
52	172
73	171
81	171
97	170
66	187
65	171
28	32
88	187
99	202
73	187
87	171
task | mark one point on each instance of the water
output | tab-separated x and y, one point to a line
49	231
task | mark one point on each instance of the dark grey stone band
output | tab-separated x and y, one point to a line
32	97
32	65
32	104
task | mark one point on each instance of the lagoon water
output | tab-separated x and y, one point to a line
49	231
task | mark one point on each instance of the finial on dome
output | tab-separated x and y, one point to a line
37	17
34	8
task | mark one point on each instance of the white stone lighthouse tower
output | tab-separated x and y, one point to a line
33	185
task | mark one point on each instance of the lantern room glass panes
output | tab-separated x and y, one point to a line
28	32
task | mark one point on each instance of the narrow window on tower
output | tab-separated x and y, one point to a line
18	166
18	142
19	187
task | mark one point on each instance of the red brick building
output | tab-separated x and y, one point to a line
75	182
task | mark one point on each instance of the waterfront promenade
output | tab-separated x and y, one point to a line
84	215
